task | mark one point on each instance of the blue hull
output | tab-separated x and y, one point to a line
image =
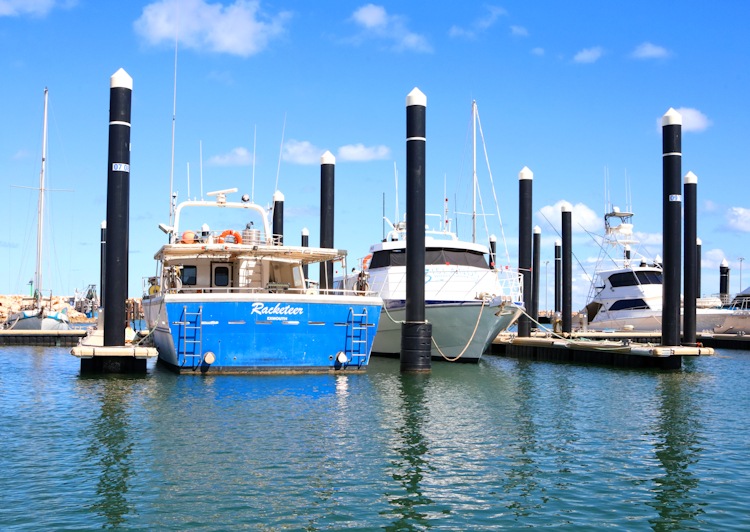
262	335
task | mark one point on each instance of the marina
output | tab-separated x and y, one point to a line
504	444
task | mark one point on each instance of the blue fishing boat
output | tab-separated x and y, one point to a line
239	301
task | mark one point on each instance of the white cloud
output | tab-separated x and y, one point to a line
648	50
738	219
648	239
301	152
360	152
589	55
237	29
236	157
692	120
710	206
376	23
480	24
537	51
583	218
519	31
37	8
712	258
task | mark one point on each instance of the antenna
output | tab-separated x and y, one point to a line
628	194
474	172
446	223
252	188
188	178
395	177
281	147
200	151
174	117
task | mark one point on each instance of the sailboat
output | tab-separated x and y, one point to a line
35	315
468	300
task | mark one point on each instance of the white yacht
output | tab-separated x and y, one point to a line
467	301
627	290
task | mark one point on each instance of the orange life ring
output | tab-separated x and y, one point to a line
229	232
188	237
366	261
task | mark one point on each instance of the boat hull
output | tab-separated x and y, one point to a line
263	333
458	331
712	320
27	321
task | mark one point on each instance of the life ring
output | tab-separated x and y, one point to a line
366	261
229	232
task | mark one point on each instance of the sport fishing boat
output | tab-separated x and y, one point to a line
467	301
627	290
238	301
36	314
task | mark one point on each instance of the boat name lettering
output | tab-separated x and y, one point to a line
278	308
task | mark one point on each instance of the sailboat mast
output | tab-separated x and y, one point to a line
40	208
474	172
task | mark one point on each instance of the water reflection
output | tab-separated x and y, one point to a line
521	480
411	464
677	449
110	449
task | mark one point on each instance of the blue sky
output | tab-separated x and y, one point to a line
573	90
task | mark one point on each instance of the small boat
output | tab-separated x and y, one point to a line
627	290
36	313
467	301
238	301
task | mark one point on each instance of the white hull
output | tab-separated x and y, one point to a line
458	332
711	320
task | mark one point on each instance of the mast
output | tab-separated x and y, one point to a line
474	172
40	208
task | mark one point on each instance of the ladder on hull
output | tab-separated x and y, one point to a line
191	325
357	336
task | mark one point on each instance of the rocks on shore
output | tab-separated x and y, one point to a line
14	303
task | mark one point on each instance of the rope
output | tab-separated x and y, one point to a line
570	341
471	339
437	347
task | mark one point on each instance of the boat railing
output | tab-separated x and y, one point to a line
245	236
511	282
151	288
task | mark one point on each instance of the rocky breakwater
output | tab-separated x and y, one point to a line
15	303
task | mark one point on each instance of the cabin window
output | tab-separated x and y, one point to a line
189	275
649	277
221	276
629	304
623	279
397	257
635	278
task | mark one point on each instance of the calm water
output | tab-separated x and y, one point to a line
503	444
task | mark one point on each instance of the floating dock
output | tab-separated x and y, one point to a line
96	357
66	338
621	352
